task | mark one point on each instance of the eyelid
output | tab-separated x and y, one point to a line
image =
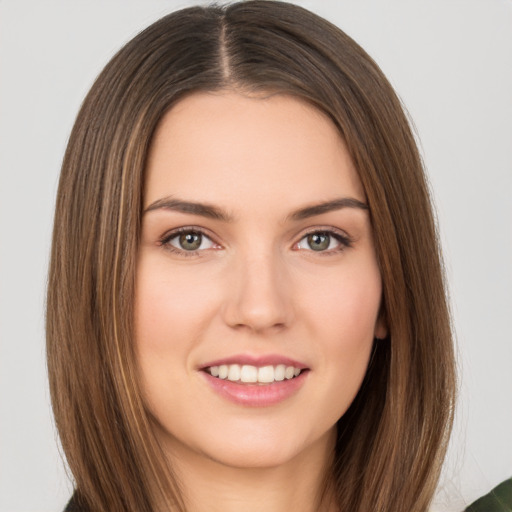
173	233
341	236
345	240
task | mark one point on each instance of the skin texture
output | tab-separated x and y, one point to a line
255	287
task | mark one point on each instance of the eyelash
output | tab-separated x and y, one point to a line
167	237
343	239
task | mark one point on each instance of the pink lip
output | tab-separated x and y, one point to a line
266	360
255	395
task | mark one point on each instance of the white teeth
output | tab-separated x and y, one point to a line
279	372
234	372
266	374
252	374
249	373
223	371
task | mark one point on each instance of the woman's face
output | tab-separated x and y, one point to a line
258	289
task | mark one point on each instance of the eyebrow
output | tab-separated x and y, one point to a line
328	206
213	212
179	205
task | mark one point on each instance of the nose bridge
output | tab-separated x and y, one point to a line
260	296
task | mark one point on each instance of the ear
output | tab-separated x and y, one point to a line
381	326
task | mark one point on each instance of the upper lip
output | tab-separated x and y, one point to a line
262	360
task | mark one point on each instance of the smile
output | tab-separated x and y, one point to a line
255	381
250	374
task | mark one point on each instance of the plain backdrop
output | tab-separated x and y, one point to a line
451	63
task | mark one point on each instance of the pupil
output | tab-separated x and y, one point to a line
190	241
318	241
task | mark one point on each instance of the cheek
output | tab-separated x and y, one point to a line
346	305
169	306
171	313
171	316
342	320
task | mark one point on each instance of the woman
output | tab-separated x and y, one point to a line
246	305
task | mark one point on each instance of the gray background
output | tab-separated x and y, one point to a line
451	62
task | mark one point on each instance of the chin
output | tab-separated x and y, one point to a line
257	448
254	457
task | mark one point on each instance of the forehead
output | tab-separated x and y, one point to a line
241	150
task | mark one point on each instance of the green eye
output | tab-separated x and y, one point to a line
329	242
187	242
318	241
190	241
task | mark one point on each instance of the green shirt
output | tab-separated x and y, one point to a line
498	500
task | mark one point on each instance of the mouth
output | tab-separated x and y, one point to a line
255	381
250	374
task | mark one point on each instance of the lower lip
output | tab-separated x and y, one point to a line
256	395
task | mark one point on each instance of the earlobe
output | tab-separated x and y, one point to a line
381	327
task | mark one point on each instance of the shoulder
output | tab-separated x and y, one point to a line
498	500
74	505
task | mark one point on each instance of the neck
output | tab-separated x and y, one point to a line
298	484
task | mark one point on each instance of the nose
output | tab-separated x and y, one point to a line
259	298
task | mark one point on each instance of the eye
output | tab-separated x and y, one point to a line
324	241
187	241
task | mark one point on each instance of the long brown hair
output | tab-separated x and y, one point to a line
392	440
